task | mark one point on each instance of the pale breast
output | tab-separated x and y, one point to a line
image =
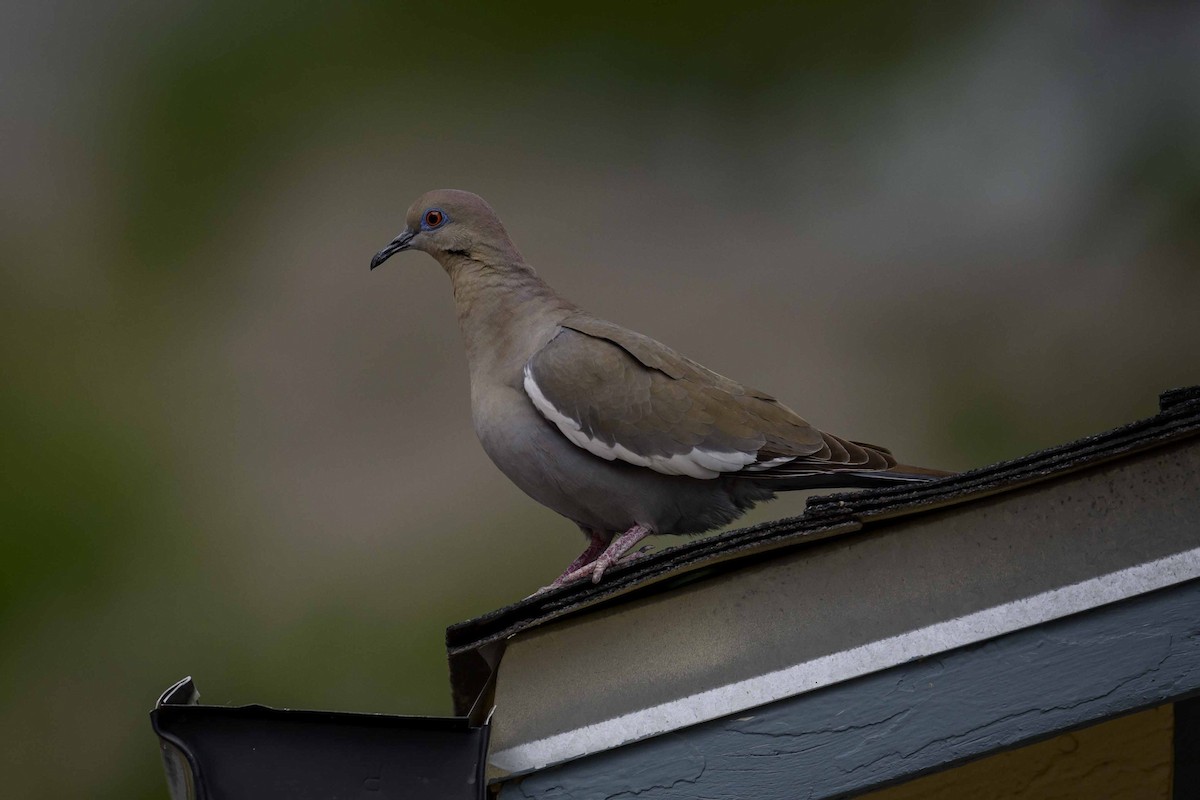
606	495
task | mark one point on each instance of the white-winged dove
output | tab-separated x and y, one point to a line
612	429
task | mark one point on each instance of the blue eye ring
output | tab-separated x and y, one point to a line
433	218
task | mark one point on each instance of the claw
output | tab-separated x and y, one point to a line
593	564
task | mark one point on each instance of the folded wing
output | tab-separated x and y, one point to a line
621	395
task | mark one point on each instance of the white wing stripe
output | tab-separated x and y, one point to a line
697	462
773	462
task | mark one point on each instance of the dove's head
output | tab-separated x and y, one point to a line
451	224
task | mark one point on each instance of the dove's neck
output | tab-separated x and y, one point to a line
506	314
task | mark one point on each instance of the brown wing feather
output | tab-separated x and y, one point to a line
641	400
636	399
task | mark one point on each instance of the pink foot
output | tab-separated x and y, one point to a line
586	571
618	548
597	544
598	541
593	566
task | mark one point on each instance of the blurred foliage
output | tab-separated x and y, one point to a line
170	401
230	89
64	484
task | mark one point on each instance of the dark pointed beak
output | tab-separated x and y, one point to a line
401	242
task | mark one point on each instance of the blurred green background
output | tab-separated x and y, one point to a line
229	450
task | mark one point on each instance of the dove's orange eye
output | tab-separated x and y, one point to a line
434	218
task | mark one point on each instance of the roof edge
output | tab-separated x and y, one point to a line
824	516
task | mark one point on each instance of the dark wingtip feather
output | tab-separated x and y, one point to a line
919	473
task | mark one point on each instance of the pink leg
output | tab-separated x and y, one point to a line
611	555
618	548
597	541
596	545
